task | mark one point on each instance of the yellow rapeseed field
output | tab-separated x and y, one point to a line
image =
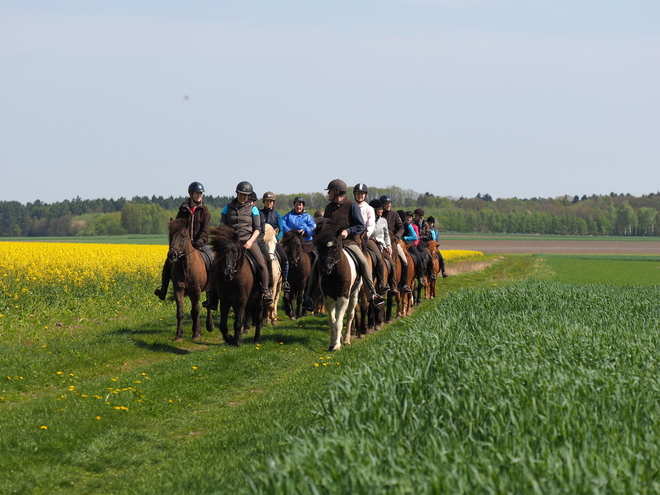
26	266
460	255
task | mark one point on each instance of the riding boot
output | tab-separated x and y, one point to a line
267	295
285	277
211	300
442	266
404	274
165	281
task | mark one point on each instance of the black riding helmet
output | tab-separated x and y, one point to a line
385	198
244	187
376	203
253	197
195	187
361	187
299	199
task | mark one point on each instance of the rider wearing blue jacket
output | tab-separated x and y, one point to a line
298	219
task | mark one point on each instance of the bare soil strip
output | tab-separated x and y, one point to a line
513	246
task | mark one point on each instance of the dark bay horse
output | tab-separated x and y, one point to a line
404	302
300	264
339	280
188	276
235	283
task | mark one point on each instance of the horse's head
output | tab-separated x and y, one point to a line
433	249
329	245
229	253
292	245
179	239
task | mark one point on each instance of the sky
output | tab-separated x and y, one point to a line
513	98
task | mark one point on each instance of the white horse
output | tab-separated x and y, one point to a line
271	240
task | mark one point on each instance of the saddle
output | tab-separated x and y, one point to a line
207	256
356	261
253	263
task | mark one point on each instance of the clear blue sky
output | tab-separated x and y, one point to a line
522	98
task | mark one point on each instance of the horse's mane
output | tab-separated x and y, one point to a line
290	237
223	237
326	231
178	224
269	234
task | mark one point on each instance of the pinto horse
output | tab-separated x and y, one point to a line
188	275
235	284
300	265
404	302
339	280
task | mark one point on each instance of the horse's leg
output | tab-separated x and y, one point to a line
342	307
239	323
224	316
194	314
178	297
330	308
351	303
209	318
257	319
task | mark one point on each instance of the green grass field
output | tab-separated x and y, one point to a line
537	375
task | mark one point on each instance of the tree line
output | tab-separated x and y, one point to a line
613	214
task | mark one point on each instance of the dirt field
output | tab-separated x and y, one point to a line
513	246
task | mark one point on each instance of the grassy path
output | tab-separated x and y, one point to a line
113	406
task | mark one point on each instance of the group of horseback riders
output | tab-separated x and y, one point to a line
371	221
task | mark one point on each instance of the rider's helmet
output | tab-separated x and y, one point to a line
299	199
361	187
430	219
419	211
385	198
268	195
244	187
376	203
338	185
195	187
253	197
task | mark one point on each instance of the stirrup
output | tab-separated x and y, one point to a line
286	287
407	289
308	304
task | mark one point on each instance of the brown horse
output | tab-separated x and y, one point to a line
404	302
435	259
188	276
371	316
300	264
235	284
339	279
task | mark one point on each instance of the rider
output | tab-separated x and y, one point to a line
435	236
360	192
252	198
273	217
396	226
198	214
425	236
347	215
298	219
381	237
411	238
245	219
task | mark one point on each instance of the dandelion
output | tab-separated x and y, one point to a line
97	417
316	364
44	427
195	367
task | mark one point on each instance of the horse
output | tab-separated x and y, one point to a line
404	302
300	265
188	275
271	240
371	316
339	280
235	283
435	259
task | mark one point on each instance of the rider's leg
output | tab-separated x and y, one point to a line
285	267
442	265
383	287
263	272
165	280
366	274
